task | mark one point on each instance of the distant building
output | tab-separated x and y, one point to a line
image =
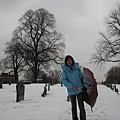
7	78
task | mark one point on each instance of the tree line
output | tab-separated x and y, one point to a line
113	75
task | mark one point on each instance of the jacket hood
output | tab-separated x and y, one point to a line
67	57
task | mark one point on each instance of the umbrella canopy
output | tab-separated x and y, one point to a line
92	92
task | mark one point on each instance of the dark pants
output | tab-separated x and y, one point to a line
81	106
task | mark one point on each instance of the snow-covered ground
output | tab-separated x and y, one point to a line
54	106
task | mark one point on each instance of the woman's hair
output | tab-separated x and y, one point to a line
67	57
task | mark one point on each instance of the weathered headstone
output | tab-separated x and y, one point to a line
61	84
44	91
20	89
68	98
1	86
49	87
43	94
114	87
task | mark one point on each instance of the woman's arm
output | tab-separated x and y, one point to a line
65	80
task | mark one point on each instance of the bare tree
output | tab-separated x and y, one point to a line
41	43
13	60
108	47
113	75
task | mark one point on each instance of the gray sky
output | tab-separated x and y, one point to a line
78	20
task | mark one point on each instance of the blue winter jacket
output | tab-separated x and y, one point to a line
73	77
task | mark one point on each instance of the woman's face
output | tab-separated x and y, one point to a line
69	62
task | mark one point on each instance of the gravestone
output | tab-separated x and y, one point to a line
116	90
68	98
49	87
1	86
44	91
43	94
20	89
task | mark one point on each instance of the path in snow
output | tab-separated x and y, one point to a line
106	107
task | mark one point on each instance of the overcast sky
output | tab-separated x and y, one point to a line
78	20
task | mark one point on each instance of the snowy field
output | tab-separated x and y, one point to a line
54	106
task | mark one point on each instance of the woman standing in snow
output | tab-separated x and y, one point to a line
72	80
